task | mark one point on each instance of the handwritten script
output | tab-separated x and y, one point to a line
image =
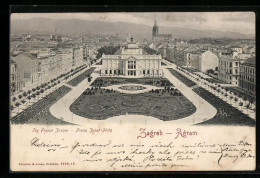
147	155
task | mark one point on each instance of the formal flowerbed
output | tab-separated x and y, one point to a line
132	87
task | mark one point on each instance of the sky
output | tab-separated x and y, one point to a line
241	22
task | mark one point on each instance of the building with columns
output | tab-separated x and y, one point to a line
131	60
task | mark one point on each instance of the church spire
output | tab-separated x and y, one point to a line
155	22
155	31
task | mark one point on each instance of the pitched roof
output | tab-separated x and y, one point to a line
12	62
118	52
235	47
31	56
165	35
250	47
250	61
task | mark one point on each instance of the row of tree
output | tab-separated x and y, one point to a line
36	91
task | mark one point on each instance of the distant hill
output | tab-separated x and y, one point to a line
83	27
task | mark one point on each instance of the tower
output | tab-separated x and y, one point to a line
155	29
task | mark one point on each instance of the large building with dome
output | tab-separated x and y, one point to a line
131	60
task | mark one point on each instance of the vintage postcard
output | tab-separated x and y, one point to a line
146	91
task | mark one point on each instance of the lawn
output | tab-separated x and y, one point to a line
100	104
226	114
182	78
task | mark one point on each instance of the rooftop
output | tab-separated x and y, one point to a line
12	62
250	61
164	35
229	58
235	47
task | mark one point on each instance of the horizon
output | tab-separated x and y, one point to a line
235	22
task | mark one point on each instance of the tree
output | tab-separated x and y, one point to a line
38	93
17	105
23	101
226	96
241	104
20	96
13	99
24	94
210	71
29	97
42	90
33	95
29	92
247	107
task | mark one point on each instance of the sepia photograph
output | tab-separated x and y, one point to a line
132	91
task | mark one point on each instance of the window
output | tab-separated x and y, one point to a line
131	64
148	72
114	71
110	71
119	72
144	72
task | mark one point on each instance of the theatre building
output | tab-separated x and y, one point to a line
131	60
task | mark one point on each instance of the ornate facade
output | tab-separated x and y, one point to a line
132	61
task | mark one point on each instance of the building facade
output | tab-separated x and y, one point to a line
131	61
201	60
24	68
14	79
79	55
247	79
229	68
237	49
249	49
